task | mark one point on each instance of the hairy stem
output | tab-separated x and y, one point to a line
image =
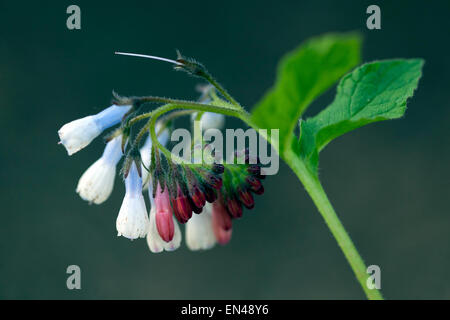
221	89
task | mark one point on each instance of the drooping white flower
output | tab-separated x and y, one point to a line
211	120
199	230
77	134
146	152
155	243
132	221
96	183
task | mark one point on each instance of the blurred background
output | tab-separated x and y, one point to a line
389	182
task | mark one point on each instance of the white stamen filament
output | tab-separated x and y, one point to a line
149	57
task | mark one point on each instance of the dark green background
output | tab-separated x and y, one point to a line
389	182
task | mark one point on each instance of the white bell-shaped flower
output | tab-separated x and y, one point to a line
96	183
77	134
132	221
199	230
210	120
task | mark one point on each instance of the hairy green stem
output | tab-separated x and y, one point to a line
221	89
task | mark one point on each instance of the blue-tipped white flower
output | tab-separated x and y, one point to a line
155	243
146	151
199	230
132	221
79	133
96	183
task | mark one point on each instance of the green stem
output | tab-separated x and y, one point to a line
320	199
196	127
221	89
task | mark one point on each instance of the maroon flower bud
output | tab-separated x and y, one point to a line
214	181
254	182
195	208
197	197
177	214
254	169
259	191
210	194
181	206
218	168
234	208
246	198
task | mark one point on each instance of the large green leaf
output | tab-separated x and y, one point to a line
373	92
303	75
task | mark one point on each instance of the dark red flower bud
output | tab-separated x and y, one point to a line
234	208
181	207
246	198
254	182
197	197
215	181
177	214
254	169
195	208
259	191
210	194
218	168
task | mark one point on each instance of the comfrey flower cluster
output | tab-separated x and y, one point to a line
204	196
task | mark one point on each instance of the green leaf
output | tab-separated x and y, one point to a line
303	75
373	92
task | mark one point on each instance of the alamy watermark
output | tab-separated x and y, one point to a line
374	280
74	280
235	139
374	20
73	21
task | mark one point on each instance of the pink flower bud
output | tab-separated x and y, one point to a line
221	216
221	223
164	220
